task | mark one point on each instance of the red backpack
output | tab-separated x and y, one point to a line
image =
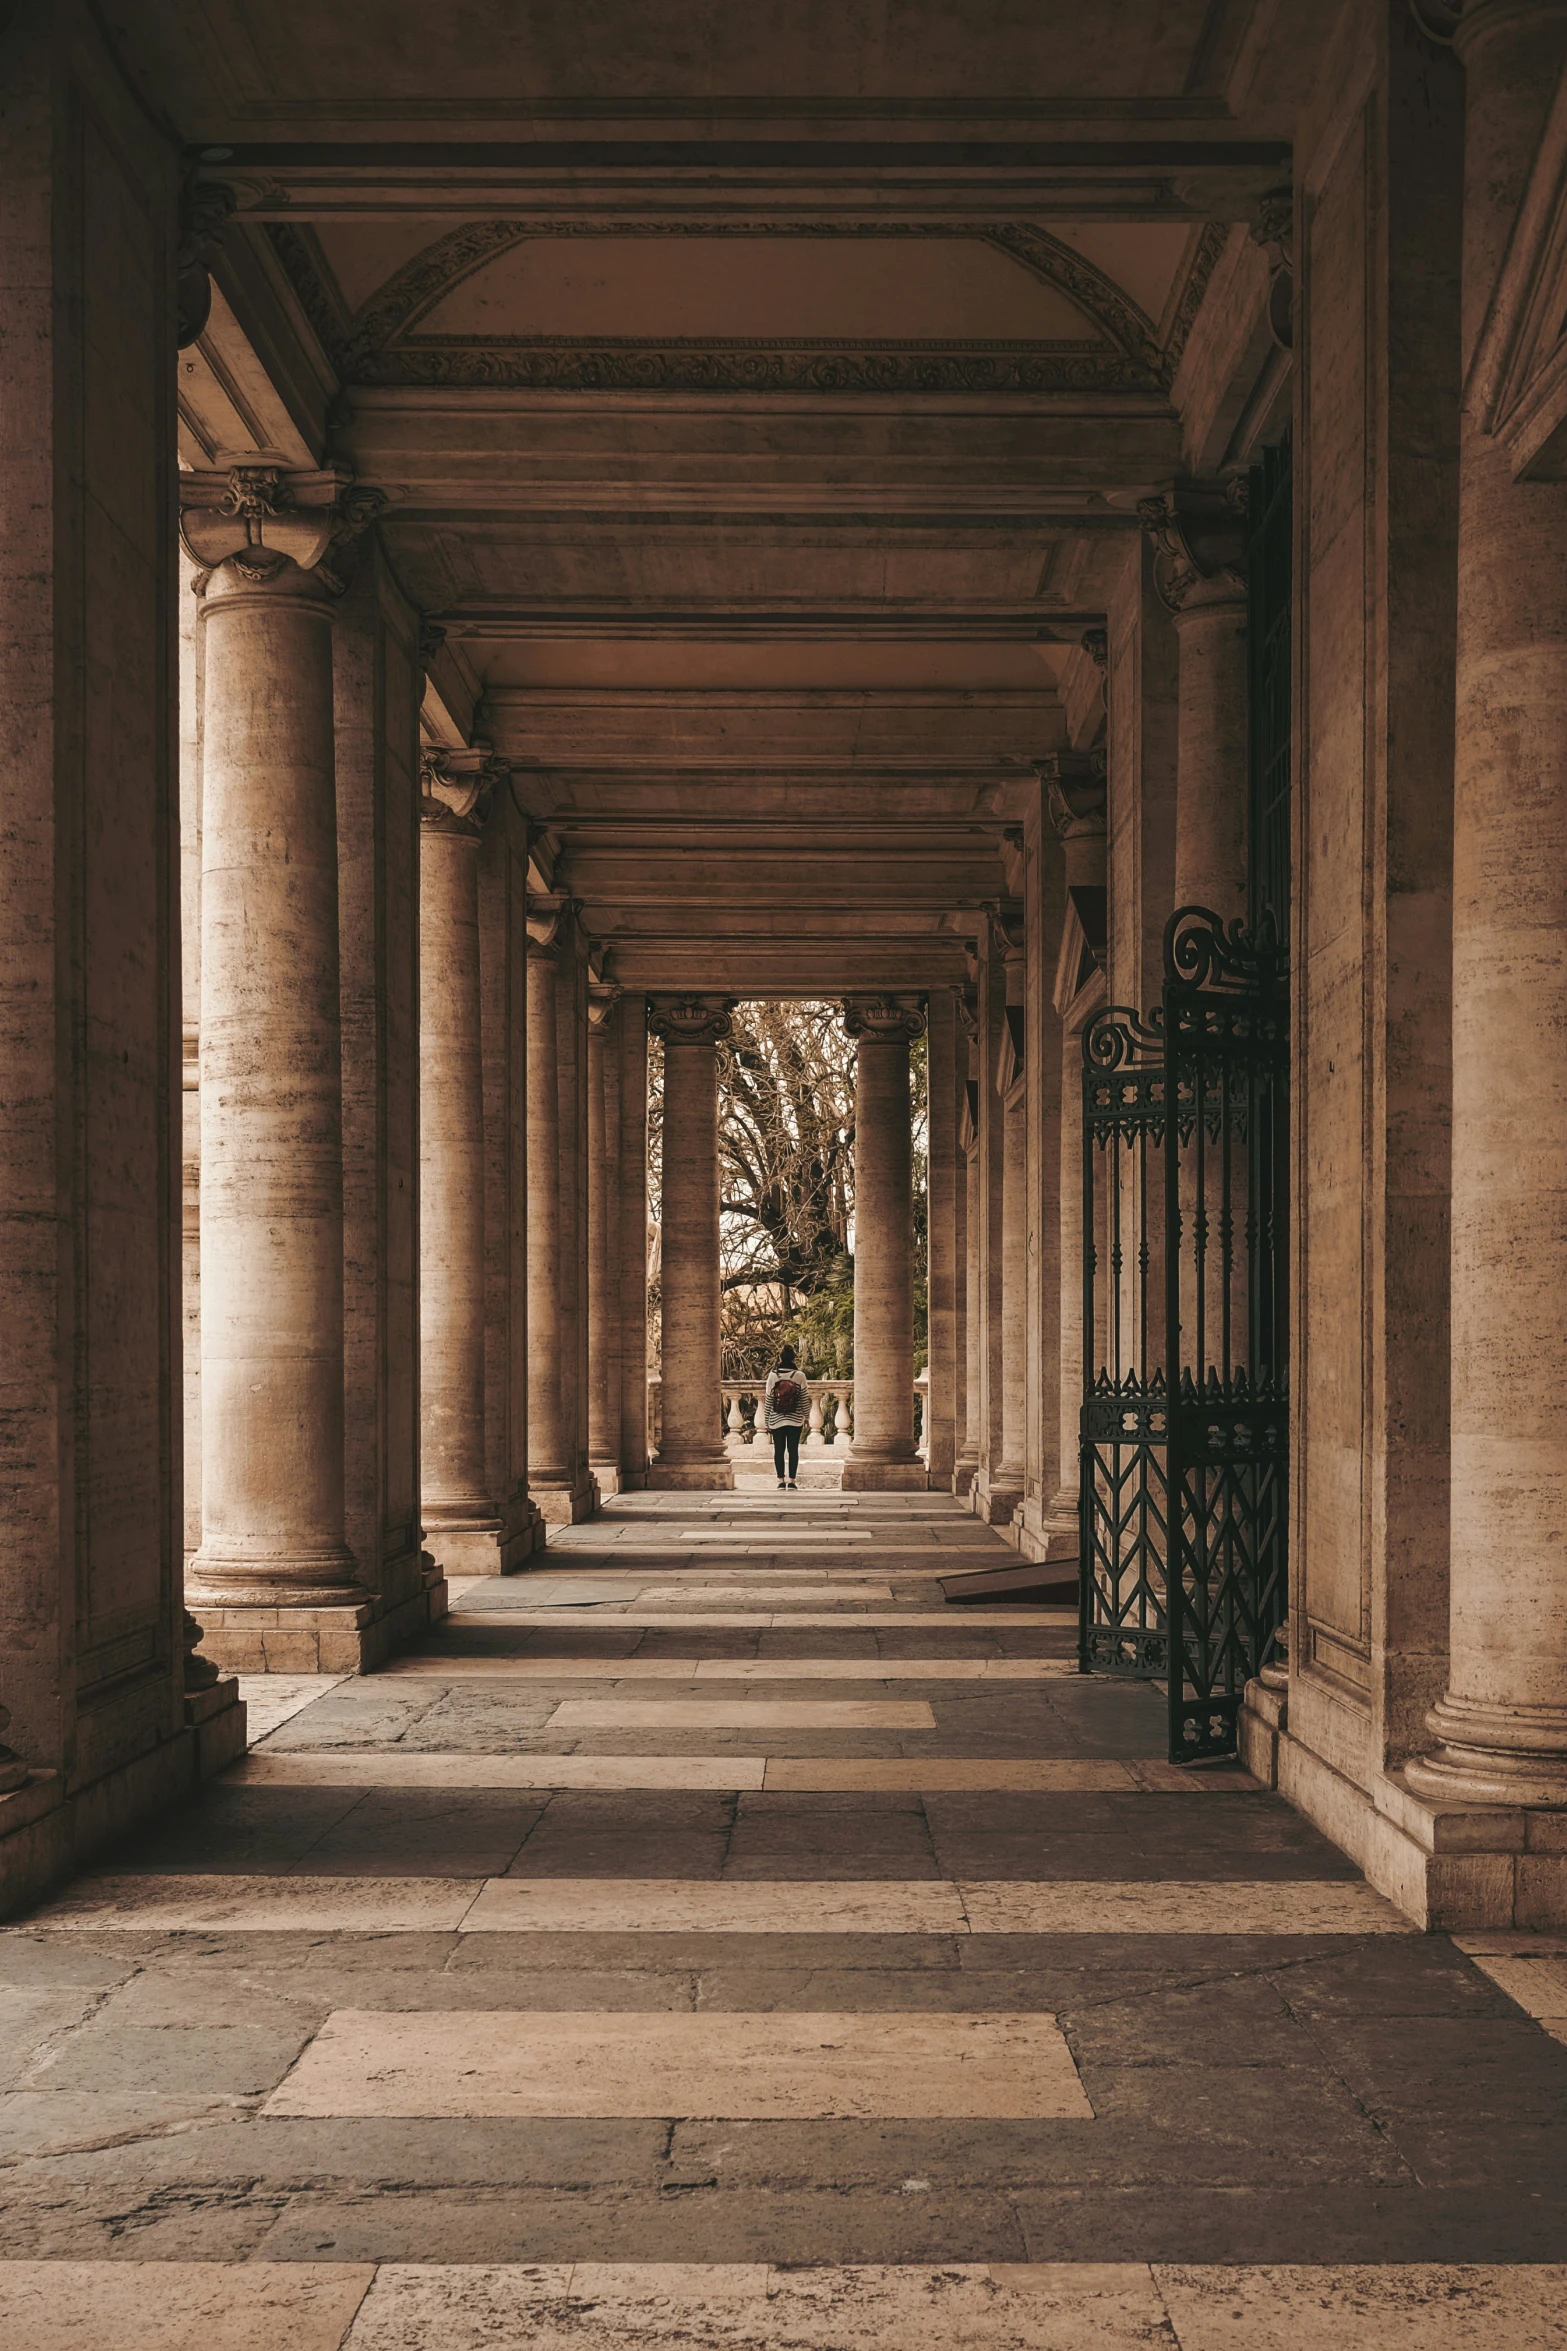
786	1394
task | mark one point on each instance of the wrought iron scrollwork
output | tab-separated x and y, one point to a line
1184	1429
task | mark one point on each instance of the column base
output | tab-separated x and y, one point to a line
1446	1865
692	1477
560	1504
46	1834
1046	1540
606	1476
1493	1755
488	1549
885	1477
996	1503
963	1475
250	1639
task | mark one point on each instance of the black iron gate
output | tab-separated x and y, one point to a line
1184	1424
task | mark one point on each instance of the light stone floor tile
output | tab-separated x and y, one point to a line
1537	1980
743	1906
1287	1906
272	1699
937	1775
318	1905
748	2067
669	2307
393	1768
743	1714
179	2305
760	1620
458	1667
1415	2306
828	1775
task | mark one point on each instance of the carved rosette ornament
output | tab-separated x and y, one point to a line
455	789
886	1019
263	519
1198	531
690	1020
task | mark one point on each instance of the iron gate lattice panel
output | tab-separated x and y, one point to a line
1123	1495
1184	1451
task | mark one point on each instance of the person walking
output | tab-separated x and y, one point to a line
785	1409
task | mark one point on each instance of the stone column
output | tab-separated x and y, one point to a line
691	1453
631	1199
552	1467
1198	531
944	1390
882	1458
604	1349
1502	1723
1077	799
1011	1087
272	1500
967	1464
461	1523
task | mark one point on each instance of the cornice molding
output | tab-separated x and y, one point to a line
690	1020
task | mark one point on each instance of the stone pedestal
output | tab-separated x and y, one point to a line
463	1528
557	1479
691	1451
1502	1723
882	1458
271	1118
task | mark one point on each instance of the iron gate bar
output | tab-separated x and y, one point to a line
1226	1031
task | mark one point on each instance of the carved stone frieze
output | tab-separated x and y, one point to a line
690	1020
884	1017
1198	529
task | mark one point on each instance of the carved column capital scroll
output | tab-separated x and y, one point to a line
1008	927
690	1020
603	997
1198	529
884	1017
205	210
260	518
550	916
1076	788
1096	644
455	789
431	638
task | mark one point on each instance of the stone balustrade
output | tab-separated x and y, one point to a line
831	1419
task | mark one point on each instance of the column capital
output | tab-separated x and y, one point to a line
1009	927
1076	785
603	997
690	1020
261	516
455	789
550	916
965	1000
431	638
884	1019
1198	529
206	207
1096	644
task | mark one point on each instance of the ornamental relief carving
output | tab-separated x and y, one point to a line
690	1020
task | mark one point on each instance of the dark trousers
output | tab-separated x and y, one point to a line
786	1442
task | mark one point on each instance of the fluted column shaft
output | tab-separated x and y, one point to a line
547	1462
272	1501
691	1451
451	1169
883	1454
1503	1720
